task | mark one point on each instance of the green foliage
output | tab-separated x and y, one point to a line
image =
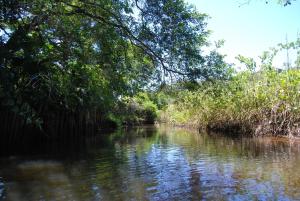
160	99
248	62
266	102
83	56
139	109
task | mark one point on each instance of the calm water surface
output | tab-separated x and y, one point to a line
154	164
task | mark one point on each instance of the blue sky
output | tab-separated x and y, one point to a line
251	28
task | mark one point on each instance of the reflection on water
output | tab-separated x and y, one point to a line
156	164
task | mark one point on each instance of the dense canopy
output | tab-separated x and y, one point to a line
77	55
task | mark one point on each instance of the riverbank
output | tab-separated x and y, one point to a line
251	103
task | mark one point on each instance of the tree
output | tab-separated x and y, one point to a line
248	62
83	55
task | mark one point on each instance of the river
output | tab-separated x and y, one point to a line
149	163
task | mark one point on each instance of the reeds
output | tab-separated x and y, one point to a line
261	103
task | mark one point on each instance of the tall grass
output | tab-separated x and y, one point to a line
261	103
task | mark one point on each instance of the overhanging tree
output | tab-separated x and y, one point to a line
81	55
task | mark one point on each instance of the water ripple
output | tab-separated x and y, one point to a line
160	165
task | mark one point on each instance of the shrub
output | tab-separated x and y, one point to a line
265	102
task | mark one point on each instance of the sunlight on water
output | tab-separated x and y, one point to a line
156	164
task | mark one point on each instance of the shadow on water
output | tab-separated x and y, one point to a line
147	163
1	188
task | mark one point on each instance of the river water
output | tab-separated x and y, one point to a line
150	163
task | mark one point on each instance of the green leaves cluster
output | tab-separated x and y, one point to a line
75	55
140	109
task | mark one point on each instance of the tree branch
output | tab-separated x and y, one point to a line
134	39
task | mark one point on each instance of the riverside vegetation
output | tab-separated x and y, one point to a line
72	67
260	103
263	102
